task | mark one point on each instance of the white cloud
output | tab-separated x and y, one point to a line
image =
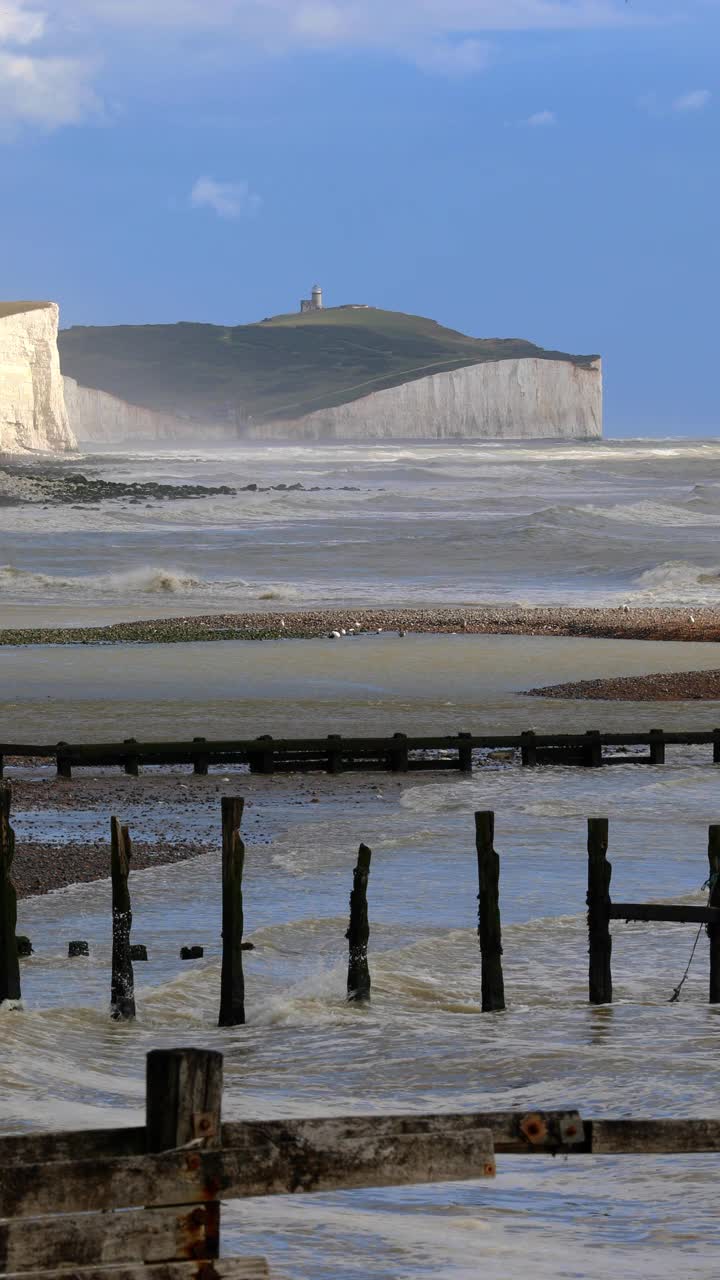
45	92
18	25
693	101
541	119
460	58
226	199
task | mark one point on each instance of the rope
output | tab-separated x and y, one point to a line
709	884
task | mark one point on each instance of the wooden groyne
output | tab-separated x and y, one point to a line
399	753
601	910
69	1200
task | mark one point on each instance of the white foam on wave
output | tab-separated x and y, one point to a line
677	581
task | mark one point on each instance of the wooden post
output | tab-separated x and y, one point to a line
598	916
64	768
593	751
131	761
358	934
464	754
489	929
183	1106
398	753
334	755
528	750
232	980
657	746
9	966
261	760
200	763
714	901
716	746
122	988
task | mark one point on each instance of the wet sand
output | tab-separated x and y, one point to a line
601	623
682	686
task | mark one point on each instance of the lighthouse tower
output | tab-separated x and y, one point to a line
314	302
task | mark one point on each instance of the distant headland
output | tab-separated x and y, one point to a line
343	372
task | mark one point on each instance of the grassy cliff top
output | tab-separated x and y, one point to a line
282	367
16	308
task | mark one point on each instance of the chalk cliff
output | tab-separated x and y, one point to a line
503	399
32	404
96	416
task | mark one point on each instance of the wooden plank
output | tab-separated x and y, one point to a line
489	929
262	1167
232	979
183	1098
714	903
653	1137
136	1235
9	963
559	1128
599	913
122	990
358	934
218	1269
660	912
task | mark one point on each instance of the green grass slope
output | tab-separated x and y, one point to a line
283	367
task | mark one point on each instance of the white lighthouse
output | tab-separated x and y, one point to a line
314	302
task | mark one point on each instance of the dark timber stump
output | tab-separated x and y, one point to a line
657	746
200	764
358	934
334	753
9	967
489	930
122	988
714	901
464	754
528	749
398	753
132	766
593	751
598	915
64	768
232	980
716	746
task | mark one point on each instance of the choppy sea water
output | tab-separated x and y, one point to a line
633	521
574	522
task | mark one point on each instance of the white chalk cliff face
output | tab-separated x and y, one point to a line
97	416
502	399
32	404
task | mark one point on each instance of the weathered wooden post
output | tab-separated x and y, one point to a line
358	934
64	768
122	987
9	966
598	915
464	754
714	901
132	766
261	758
593	751
232	979
398	753
183	1107
489	928
657	746
716	746
528	749
200	763
334	753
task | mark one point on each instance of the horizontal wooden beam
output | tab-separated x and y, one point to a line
202	1269
653	1137
328	1162
136	1235
512	1131
651	912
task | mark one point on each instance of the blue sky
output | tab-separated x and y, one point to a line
545	169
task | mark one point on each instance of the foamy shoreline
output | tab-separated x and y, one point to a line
622	623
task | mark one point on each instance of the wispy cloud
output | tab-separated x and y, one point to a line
226	199
541	119
693	101
448	58
39	89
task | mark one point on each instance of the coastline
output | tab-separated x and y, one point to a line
673	686
620	623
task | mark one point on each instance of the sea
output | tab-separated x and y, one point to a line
599	523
